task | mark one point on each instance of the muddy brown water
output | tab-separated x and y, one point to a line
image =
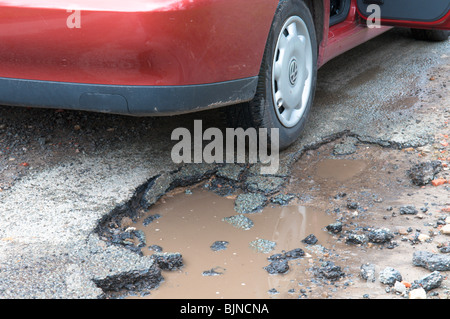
373	177
340	169
191	222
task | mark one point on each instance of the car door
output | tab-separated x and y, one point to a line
427	14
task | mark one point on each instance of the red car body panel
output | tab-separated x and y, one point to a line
144	57
442	23
174	43
345	35
143	42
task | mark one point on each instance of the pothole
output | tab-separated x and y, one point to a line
222	232
193	222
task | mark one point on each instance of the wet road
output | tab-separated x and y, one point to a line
61	173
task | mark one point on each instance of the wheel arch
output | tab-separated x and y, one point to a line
317	9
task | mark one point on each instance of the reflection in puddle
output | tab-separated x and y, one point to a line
191	223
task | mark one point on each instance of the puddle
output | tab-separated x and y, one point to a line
361	190
404	103
191	223
340	169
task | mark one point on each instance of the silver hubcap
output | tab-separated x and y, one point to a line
291	72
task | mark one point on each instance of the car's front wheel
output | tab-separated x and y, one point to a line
287	78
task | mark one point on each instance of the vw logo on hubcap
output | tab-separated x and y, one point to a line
293	71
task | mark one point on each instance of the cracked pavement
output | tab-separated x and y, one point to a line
49	247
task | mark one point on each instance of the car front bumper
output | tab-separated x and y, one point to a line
134	57
136	100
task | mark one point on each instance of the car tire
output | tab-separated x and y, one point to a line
430	35
287	78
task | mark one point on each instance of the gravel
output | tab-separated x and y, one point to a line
367	272
430	261
250	203
423	173
239	221
263	245
389	276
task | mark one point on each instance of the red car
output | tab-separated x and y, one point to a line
160	57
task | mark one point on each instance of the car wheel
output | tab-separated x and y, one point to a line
430	35
287	78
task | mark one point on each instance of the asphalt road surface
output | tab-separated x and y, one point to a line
64	172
